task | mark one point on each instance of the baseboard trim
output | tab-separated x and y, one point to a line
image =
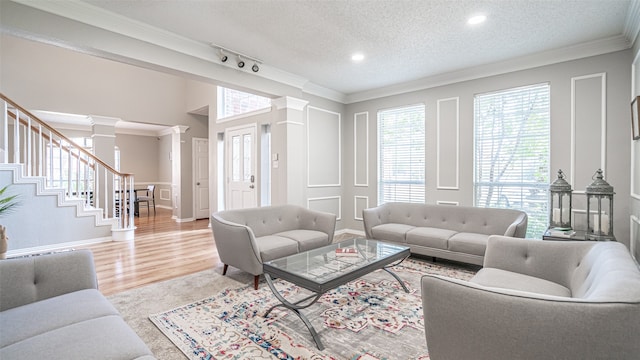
55	247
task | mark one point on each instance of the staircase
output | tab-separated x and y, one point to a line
59	180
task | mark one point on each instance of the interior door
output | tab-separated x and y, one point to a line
241	167
201	178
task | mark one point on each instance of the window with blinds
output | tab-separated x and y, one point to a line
234	102
512	145
401	154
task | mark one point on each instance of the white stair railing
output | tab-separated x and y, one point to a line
47	153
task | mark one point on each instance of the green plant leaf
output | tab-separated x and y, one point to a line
7	203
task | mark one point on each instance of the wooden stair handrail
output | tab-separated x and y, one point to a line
59	134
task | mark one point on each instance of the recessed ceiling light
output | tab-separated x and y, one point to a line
357	57
477	19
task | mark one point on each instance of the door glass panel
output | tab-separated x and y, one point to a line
247	157
235	158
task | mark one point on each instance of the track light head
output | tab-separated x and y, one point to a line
240	62
223	57
255	67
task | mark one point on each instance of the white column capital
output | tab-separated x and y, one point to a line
288	102
103	120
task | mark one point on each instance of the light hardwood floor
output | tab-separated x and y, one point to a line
163	249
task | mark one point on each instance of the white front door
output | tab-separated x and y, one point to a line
241	167
201	178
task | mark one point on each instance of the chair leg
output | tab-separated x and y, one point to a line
224	269
256	280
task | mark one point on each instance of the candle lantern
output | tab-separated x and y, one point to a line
560	205
599	209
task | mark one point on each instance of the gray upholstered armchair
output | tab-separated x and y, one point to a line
247	238
538	300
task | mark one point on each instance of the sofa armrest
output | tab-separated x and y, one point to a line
371	217
554	261
236	245
519	226
468	321
35	278
321	221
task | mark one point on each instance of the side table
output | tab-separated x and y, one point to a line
579	235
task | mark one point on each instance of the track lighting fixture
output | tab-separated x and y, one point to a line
241	58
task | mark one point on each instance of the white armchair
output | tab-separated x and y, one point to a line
247	238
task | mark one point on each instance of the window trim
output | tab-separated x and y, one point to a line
520	183
378	150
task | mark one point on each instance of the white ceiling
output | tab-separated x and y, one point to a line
402	40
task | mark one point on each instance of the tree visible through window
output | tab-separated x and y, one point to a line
512	144
234	102
401	155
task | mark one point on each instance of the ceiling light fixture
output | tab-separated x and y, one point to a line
476	19
241	58
357	57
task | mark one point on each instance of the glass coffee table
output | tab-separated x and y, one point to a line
322	269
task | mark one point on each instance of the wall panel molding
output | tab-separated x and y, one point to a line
634	235
635	192
442	202
324	148
361	149
330	204
359	203
581	118
448	142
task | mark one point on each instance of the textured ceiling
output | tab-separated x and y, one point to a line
403	40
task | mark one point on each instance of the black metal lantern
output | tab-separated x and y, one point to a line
599	209
560	203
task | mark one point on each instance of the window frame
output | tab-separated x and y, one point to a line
420	157
537	182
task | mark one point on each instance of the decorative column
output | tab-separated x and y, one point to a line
103	138
176	170
288	152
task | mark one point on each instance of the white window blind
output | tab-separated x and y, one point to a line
234	102
401	154
512	141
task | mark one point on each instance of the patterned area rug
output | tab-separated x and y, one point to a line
370	318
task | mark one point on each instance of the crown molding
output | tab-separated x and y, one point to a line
323	92
632	22
579	51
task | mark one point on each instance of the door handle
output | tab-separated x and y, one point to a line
251	186
253	179
197	183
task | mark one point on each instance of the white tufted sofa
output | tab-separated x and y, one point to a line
457	233
535	299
